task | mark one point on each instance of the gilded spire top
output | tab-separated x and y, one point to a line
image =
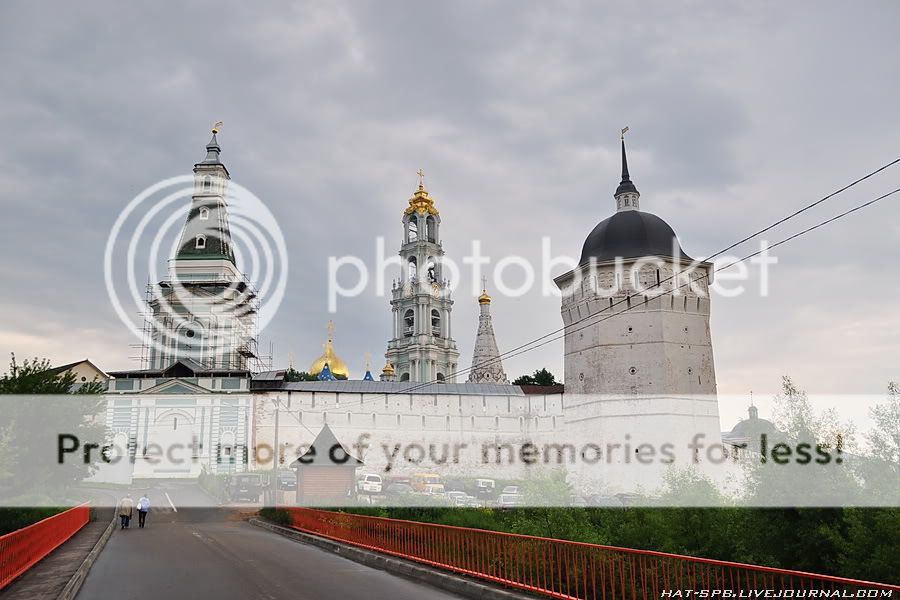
484	298
421	202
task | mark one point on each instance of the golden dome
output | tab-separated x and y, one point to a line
338	367
388	369
421	202
484	298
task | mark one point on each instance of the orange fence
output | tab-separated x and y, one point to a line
563	569
21	549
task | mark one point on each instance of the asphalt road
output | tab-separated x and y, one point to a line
213	553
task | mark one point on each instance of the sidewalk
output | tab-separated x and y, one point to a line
47	579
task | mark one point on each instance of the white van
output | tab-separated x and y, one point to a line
370	484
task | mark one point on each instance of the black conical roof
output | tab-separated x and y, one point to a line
326	451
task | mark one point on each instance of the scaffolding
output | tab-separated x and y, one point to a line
241	302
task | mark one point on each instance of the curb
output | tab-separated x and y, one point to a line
72	588
444	580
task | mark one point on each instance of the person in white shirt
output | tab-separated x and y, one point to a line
143	507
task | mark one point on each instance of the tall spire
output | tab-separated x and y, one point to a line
212	148
206	234
486	364
626	195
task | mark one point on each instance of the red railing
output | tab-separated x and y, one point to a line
559	568
21	549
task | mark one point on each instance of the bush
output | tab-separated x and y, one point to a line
278	516
12	519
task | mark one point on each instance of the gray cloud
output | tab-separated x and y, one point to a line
738	116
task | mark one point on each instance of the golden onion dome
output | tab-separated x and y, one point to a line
388	369
484	298
338	367
421	202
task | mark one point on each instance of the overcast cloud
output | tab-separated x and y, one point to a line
739	114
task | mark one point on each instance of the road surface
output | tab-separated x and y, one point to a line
195	553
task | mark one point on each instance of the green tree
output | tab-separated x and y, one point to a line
540	377
36	406
292	375
884	439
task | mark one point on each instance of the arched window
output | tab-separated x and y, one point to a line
412	231
435	322
440	378
431	229
200	242
207	183
431	269
404	377
411	268
409	323
204	213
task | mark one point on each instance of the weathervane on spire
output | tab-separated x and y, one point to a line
217	126
624	131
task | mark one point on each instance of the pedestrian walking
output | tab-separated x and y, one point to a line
143	507
126	506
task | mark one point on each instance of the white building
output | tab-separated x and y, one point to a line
639	366
189	408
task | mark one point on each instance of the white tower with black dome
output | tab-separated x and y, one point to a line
636	309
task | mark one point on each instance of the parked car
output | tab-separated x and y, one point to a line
484	488
510	489
398	489
370	483
510	500
287	480
458	498
245	486
427	482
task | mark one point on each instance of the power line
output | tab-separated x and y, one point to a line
712	256
553	335
533	344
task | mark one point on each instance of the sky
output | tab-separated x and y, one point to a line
739	114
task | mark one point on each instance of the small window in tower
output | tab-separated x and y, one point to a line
632	370
200	242
204	213
207	183
413	230
174	422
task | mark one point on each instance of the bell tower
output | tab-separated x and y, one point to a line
422	348
205	311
